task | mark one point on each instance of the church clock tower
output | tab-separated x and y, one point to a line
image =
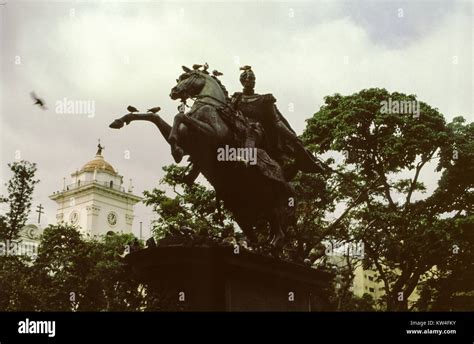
96	201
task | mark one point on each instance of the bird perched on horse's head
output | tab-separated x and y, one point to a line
154	110
245	68
216	73
196	66
132	109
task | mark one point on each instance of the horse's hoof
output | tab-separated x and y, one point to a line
117	124
177	153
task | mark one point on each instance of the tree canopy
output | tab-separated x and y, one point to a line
406	237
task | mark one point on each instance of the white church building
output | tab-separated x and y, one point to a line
96	200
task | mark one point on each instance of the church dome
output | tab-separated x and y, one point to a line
99	164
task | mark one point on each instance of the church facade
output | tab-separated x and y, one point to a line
96	201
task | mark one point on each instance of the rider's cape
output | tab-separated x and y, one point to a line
305	160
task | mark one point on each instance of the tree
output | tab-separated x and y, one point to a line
404	237
20	190
193	215
452	284
81	274
16	290
72	273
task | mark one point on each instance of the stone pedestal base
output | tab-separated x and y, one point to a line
218	279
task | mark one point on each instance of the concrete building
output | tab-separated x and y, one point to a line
29	240
365	281
96	200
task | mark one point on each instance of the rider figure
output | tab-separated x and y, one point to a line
279	139
261	112
268	130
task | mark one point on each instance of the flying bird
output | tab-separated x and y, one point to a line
38	101
154	110
196	66
246	67
132	109
216	73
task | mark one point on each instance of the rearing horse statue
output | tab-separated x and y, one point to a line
257	194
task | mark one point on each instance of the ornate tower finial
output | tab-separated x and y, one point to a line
99	148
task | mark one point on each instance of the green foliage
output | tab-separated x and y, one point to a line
71	273
404	238
193	213
375	141
451	286
314	200
20	190
17	288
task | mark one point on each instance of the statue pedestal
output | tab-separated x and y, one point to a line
217	279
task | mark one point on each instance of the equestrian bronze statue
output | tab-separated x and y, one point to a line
242	145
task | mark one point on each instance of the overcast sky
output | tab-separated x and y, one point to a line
116	53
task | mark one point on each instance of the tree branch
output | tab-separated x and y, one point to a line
380	269
419	166
355	203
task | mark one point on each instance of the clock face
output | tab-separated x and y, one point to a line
112	219
74	218
31	231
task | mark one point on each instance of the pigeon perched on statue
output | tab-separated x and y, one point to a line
132	109
154	109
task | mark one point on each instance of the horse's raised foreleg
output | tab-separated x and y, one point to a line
176	151
199	127
163	127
